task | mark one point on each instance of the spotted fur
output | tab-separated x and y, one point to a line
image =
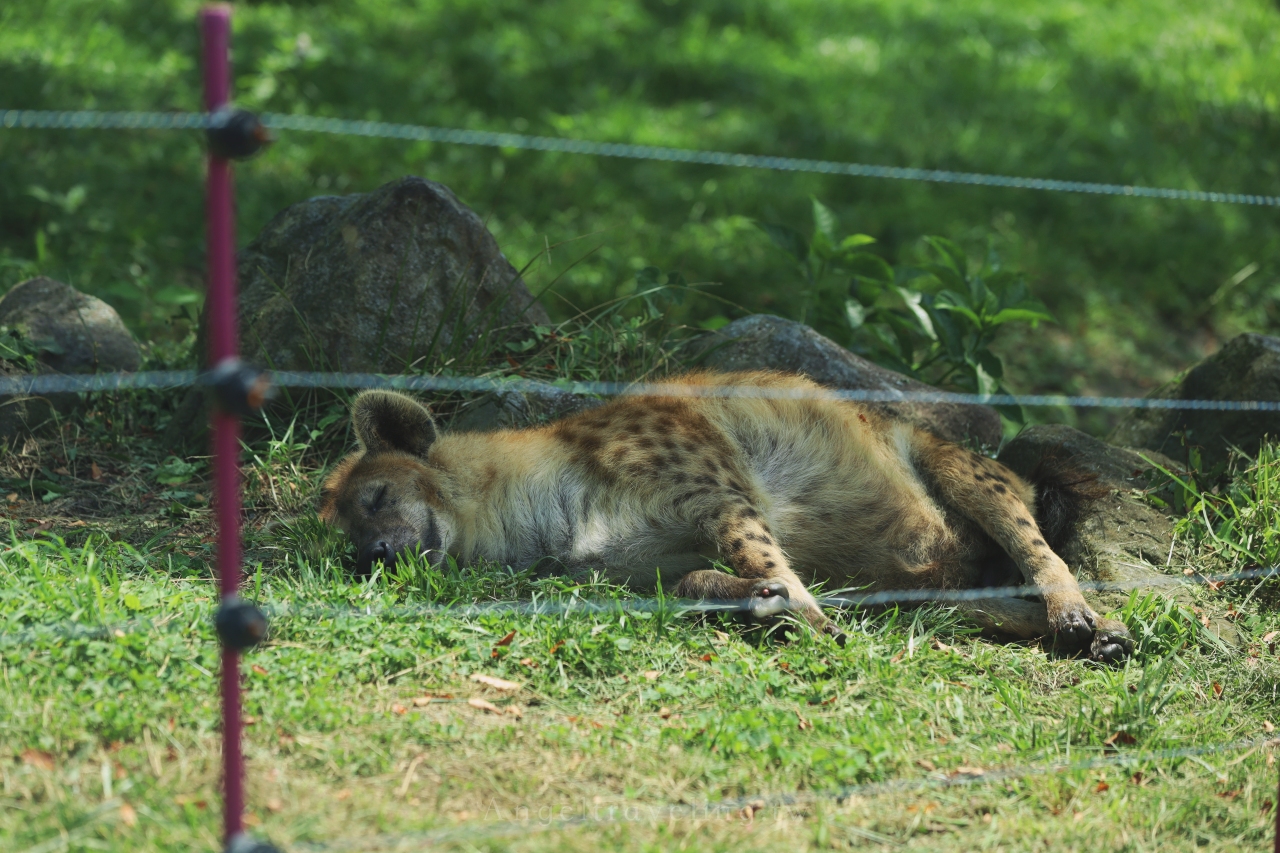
787	492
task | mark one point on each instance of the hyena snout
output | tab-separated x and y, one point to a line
386	548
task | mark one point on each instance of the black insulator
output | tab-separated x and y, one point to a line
245	843
240	389
236	134
240	624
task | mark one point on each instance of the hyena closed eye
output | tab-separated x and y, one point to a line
787	492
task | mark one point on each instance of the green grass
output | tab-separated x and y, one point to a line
1146	92
633	726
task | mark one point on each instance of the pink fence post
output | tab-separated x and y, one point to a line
215	30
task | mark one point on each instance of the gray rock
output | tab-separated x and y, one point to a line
376	282
765	342
71	332
1247	368
77	333
1119	538
532	404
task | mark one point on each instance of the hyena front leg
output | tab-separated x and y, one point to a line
994	497
764	577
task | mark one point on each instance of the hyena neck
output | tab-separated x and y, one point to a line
480	477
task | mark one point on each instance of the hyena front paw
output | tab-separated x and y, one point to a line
1111	642
1073	626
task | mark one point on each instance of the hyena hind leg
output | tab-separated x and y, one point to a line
1028	620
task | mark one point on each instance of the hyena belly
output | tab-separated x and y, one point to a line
839	488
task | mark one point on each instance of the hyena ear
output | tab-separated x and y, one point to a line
385	420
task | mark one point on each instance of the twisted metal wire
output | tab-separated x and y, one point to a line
130	120
168	379
646	813
603	606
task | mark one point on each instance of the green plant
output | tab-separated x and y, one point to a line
935	322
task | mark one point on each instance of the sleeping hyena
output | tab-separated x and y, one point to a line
785	491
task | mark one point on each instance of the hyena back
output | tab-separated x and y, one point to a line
786	491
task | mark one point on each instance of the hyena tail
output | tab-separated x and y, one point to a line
1064	492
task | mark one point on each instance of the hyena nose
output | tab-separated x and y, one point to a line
378	552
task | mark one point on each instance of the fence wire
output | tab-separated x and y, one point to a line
169	379
71	630
95	120
633	812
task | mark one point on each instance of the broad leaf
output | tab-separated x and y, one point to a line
824	221
1025	315
952	255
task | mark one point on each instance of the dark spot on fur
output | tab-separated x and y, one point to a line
750	512
677	477
670	444
734	485
999	489
769	564
1023	522
765	539
750	537
705	480
644	443
1039	543
737	545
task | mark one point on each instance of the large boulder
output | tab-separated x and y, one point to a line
62	331
1247	368
1119	538
765	342
529	404
376	282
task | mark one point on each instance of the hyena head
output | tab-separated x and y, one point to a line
386	496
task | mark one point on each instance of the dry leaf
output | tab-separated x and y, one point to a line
399	709
128	815
721	637
898	657
1217	690
968	771
652	675
529	662
705	658
1101	786
1122	738
421	701
514	711
1268	727
483	705
940	646
1204	620
1214	585
95	473
12	497
342	795
750	810
1230	795
259	669
664	712
38	758
506	641
275	805
250	721
62	472
557	647
495	683
1138	779
926	764
803	724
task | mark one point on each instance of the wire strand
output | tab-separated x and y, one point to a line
633	812
140	120
170	379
